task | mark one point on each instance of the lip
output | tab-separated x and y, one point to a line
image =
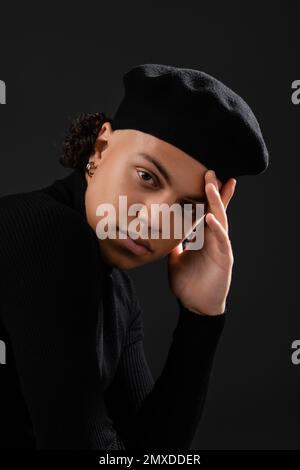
140	246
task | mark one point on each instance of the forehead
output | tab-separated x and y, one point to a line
165	152
177	163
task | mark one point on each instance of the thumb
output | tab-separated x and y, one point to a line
175	253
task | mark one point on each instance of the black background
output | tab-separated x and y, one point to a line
58	61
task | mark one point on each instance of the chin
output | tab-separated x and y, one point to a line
121	258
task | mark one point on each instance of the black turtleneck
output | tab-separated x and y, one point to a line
76	375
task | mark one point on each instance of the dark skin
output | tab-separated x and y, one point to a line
199	278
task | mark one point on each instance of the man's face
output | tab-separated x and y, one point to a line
148	171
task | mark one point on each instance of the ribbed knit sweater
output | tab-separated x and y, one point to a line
76	375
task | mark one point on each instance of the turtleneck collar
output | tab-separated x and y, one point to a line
70	190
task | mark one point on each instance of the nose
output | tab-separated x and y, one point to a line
153	212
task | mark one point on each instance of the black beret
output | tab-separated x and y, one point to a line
198	114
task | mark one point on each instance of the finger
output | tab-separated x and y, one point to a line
220	233
174	254
227	191
178	249
216	205
210	177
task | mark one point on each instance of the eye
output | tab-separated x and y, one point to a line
148	175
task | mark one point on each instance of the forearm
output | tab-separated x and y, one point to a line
171	410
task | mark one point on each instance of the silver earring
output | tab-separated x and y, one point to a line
90	165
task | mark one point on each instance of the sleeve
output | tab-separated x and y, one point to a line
164	414
50	315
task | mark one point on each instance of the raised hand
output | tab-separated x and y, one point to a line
201	278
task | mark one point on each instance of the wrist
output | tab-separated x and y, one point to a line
207	312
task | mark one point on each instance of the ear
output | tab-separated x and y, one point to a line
105	131
103	138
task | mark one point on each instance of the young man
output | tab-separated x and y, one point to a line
69	313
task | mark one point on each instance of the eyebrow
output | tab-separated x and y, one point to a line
161	168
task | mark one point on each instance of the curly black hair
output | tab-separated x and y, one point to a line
79	142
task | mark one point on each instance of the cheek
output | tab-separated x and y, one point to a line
164	246
91	206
